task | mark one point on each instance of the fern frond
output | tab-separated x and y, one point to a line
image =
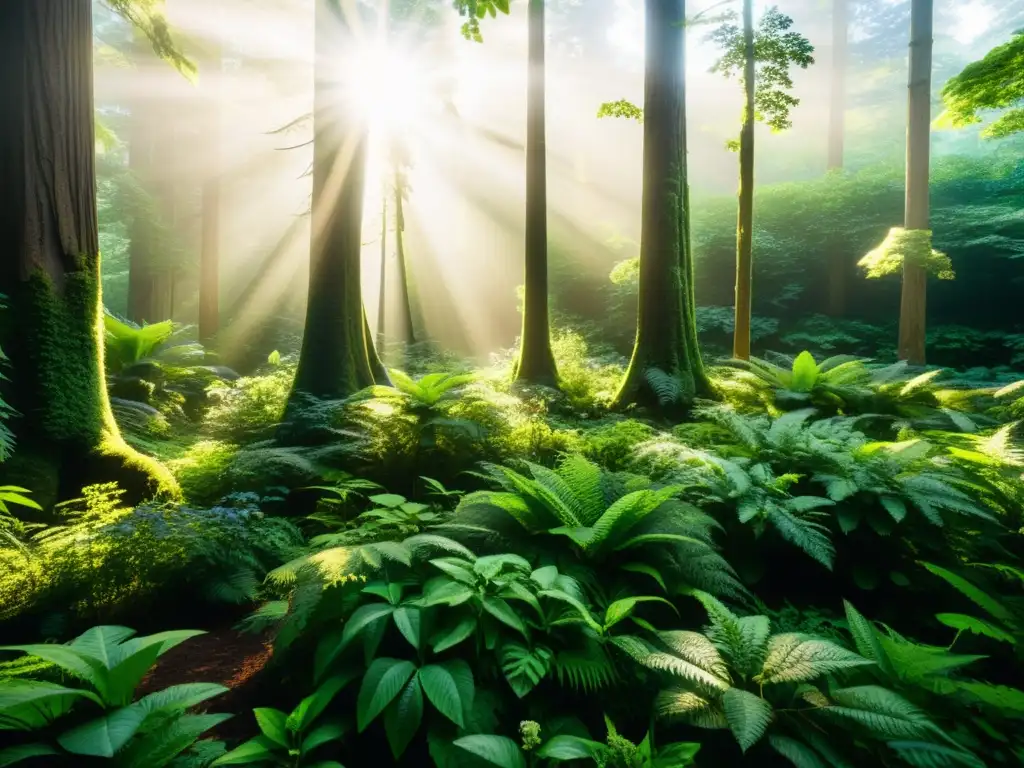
886	714
748	716
795	658
691	708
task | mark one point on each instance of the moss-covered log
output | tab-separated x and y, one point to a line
67	436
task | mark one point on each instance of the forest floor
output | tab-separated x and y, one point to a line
224	656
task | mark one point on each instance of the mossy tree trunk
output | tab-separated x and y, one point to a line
337	357
745	217
536	364
913	301
666	369
51	267
839	265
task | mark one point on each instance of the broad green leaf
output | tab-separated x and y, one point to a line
81	665
620	609
748	716
249	753
362	617
496	750
159	747
439	685
804	375
648	571
977	596
449	638
322	734
978	626
309	709
101	643
389	500
383	681
179	697
408	622
403	717
17	754
560	748
104	736
272	724
865	637
504	613
38	697
545	576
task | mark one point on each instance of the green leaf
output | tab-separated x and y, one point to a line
545	576
403	717
389	500
159	747
272	724
496	750
362	617
104	736
748	716
101	643
439	685
560	748
798	753
884	713
80	665
253	751
973	593
33	703
960	622
504	613
408	622
621	609
449	638
381	684
309	709
865	637
794	658
322	734
179	697
647	570
804	374
16	754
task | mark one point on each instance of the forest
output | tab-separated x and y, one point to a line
512	383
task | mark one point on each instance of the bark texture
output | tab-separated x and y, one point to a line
404	299
67	436
913	300
745	217
337	357
536	364
665	370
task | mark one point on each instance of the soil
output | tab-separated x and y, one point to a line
226	656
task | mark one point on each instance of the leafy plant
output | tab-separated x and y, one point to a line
771	689
97	716
288	739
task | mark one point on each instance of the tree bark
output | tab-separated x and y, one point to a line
745	217
337	355
665	346
382	293
913	301
404	301
209	254
536	364
50	269
839	265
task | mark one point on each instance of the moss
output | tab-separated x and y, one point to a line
67	429
202	471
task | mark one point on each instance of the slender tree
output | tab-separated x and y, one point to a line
337	357
762	60
839	268
745	215
401	269
536	362
51	266
382	293
913	300
665	370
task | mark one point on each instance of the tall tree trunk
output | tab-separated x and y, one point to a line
50	269
209	254
142	228
913	301
337	353
839	265
536	363
666	368
745	217
382	294
404	301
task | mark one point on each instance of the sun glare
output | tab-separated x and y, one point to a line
388	88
